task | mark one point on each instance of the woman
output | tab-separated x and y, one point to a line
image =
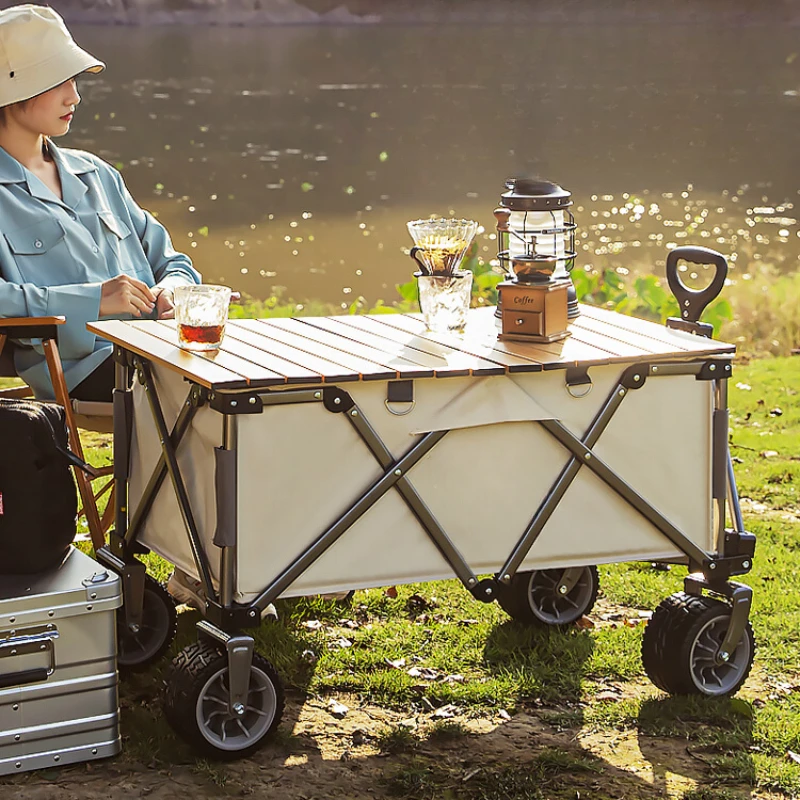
73	241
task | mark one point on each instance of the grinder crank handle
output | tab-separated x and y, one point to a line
693	302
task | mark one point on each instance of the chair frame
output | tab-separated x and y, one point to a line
46	329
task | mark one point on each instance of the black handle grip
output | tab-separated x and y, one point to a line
22	677
693	302
422	265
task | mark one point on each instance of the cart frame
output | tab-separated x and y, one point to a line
709	572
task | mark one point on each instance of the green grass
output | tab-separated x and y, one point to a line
743	742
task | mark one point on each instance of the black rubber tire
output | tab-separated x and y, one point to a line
527	598
193	672
137	651
677	648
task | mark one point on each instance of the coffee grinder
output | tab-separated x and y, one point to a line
536	249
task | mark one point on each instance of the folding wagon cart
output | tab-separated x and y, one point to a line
333	453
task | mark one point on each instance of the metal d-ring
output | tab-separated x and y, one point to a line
578	382
399	413
571	388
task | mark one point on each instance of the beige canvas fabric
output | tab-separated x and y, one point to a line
300	468
37	53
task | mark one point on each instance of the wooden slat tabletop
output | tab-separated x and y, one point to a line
456	361
230	357
400	367
137	337
273	352
676	341
371	336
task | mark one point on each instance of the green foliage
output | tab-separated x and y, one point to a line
643	296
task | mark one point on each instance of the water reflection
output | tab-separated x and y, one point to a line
294	156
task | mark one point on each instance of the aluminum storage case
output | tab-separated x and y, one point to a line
58	667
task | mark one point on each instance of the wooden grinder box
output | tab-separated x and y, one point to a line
533	312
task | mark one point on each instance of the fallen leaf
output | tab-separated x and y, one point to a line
584	623
341	643
794	756
503	714
446	712
745	387
337	709
391	592
768	453
426	673
312	624
416	602
401	662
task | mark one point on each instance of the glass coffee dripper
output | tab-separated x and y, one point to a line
445	291
440	244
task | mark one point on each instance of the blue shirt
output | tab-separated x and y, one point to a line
55	254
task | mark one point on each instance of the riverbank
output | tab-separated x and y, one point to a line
476	12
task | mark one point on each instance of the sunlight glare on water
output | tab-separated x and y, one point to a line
292	159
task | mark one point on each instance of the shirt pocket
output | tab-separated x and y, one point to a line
126	257
114	224
33	248
36	240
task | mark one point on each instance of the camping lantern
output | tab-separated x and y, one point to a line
536	249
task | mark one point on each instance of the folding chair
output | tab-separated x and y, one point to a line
88	416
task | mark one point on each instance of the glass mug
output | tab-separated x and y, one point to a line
201	312
444	300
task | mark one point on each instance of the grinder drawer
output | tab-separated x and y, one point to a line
530	322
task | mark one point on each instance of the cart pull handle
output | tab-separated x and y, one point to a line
693	302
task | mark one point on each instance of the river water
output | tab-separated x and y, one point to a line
293	157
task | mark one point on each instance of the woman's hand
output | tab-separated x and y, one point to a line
125	295
165	303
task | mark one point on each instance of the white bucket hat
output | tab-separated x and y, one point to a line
37	53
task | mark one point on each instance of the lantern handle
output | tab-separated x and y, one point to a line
693	302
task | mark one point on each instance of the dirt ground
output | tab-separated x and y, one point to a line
320	756
328	757
339	758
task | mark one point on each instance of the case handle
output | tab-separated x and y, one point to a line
16	646
8	679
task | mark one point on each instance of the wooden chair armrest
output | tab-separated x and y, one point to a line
27	322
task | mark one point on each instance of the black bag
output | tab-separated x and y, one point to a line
38	496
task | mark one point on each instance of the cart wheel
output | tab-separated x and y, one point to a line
137	650
533	597
680	645
196	703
